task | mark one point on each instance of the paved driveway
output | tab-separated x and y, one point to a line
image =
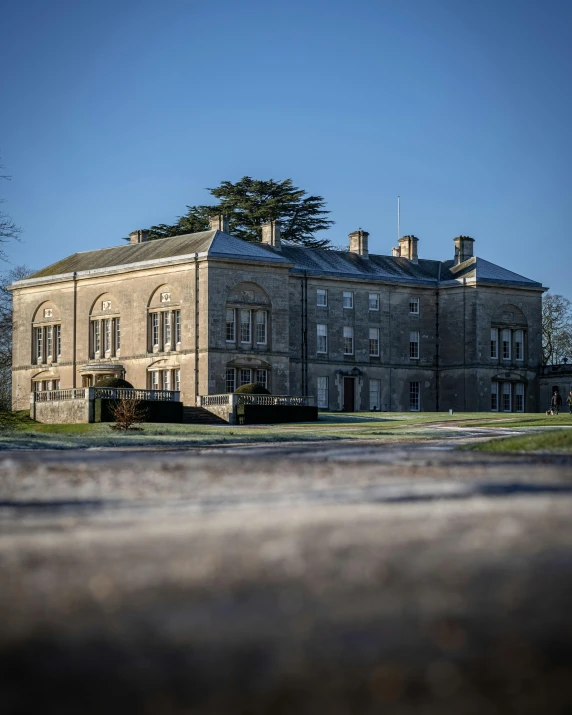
346	578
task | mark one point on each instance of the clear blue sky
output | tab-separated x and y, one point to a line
117	114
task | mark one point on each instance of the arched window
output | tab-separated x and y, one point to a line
46	335
509	328
247	319
164	321
164	375
105	328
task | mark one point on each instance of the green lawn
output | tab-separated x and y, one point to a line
388	427
545	441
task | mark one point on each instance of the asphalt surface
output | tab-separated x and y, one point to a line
346	578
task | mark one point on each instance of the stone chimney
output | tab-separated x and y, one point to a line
463	248
218	223
408	248
271	234
358	243
396	251
139	236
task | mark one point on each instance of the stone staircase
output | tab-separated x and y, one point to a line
200	416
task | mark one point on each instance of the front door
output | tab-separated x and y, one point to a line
349	394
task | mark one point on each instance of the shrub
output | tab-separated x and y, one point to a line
127	413
253	388
114	382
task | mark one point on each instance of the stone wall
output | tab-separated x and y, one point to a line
78	411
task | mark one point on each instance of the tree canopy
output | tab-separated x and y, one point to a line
556	329
248	203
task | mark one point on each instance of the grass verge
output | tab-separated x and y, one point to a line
546	441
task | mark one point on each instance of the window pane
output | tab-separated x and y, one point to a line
322	331
414	401
348	299
322	297
155	330
374	342
230	383
494	343
348	340
262	377
177	319
245	318
245	376
177	379
374	301
167	329
322	392
414	306
414	345
230	330
375	394
261	318
494	396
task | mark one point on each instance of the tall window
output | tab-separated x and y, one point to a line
166	379
96	336
177	379
348	340
494	396
322	297
262	377
167	329
245	376
155	384
348	299
414	306
414	345
117	334
414	397
39	342
322	390
230	326
374	342
494	344
519	397
155	330
107	341
261	322
506	344
245	326
177	322
230	379
322	333
519	347
58	340
374	301
375	394
50	341
506	402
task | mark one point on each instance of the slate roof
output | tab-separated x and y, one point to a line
313	261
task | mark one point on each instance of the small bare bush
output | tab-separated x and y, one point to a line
127	413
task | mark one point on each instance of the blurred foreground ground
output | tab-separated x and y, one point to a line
321	579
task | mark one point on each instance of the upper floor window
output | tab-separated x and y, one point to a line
322	335
322	297
506	351
348	299
348	340
374	342
261	327
245	326
494	344
230	327
247	316
414	306
104	328
46	335
374	301
414	345
164	326
519	346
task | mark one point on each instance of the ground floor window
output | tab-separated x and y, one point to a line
414	397
375	394
165	379
322	392
244	376
43	385
494	396
262	377
519	397
506	401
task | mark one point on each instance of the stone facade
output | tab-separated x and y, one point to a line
206	312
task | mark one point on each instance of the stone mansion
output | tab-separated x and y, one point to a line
206	312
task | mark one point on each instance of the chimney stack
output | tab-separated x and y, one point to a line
408	248
218	223
463	248
396	252
140	236
359	243
271	234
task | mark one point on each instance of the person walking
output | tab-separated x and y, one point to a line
556	402
569	401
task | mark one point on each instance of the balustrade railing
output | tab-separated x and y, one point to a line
232	399
75	393
106	393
